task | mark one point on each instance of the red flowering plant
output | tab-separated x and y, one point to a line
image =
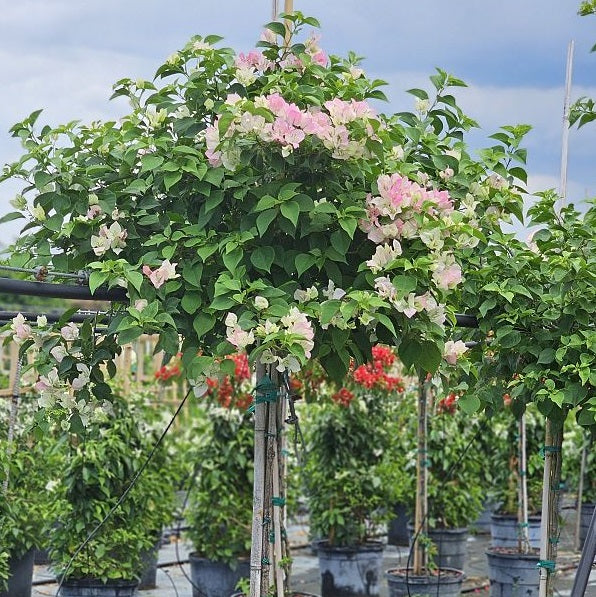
351	477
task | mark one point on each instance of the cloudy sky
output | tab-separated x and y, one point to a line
64	55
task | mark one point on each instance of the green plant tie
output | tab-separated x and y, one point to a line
271	536
266	520
523	473
267	434
523	524
553	540
265	391
549	450
548	564
426	463
265	561
285	452
278	501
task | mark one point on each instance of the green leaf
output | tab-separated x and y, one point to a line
546	356
328	310
340	242
262	258
203	323
129	335
192	273
135	278
304	261
385	321
265	202
264	219
171	178
96	279
469	403
191	301
9	217
232	259
349	224
277	28
420	353
290	210
151	162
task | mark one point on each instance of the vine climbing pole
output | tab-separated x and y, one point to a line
268	551
12	417
549	530
421	514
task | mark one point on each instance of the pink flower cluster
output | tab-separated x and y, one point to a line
394	214
290	126
166	271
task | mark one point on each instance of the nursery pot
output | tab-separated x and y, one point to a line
512	574
97	588
482	523
585	514
215	579
350	571
292	594
20	576
445	582
504	531
149	570
451	546
397	528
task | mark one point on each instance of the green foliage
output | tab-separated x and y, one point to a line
98	471
119	199
501	450
351	478
537	302
219	510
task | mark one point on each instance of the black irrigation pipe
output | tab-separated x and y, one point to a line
79	317
61	291
65	291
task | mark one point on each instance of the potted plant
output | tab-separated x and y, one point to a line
455	489
219	510
349	480
504	461
99	469
25	500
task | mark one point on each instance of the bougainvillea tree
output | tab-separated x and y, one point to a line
257	202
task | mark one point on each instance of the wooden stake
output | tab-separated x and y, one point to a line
288	9
580	491
549	528
258	514
274	427
522	514
420	517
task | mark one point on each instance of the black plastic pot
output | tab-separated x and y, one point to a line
397	527
97	588
215	579
148	578
447	582
350	571
21	576
451	544
513	573
504	531
585	515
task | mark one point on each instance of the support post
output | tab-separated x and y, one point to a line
420	517
258	513
580	491
549	529
522	512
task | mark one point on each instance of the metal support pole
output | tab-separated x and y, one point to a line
582	575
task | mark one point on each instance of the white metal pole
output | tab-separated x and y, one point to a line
565	135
